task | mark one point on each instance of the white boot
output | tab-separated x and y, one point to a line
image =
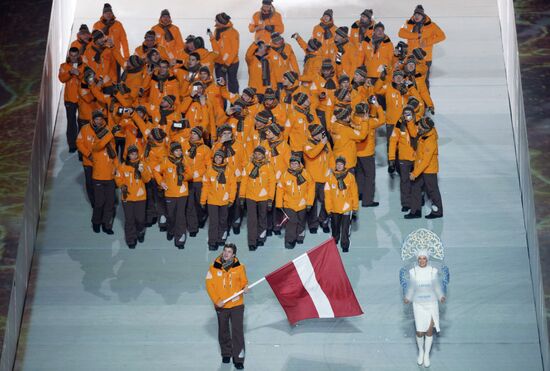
427	348
420	343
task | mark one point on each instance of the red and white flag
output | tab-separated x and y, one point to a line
315	285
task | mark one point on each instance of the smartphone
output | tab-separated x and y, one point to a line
75	65
208	31
177	125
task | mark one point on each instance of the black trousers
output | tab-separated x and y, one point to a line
405	184
429	64
175	215
89	184
120	142
274	217
235	211
156	205
231	332
430	184
295	229
72	124
134	220
230	76
195	214
340	225
256	221
366	175
217	224
315	218
104	202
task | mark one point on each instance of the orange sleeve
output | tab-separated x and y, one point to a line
406	33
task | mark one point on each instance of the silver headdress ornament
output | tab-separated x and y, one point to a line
422	242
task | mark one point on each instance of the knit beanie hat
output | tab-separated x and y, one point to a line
223	18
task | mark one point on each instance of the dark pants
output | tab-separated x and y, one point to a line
429	182
156	205
274	217
231	332
104	202
120	142
230	76
134	220
389	131
175	215
340	225
315	218
256	216
72	124
217	224
235	211
89	183
295	229
405	184
195	214
366	175
429	64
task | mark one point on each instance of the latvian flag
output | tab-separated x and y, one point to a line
315	285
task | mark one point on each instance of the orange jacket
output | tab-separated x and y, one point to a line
312	64
166	172
159	88
375	59
80	45
228	45
255	70
175	45
72	82
262	188
345	140
117	33
103	165
366	147
277	156
319	159
341	201
319	87
105	66
84	142
350	59
400	141
200	162
208	58
293	196
216	193
137	81
154	153
197	114
354	34
221	284
87	103
426	160
430	35
125	176
276	20
282	65
328	48
395	101
142	51
237	161
298	132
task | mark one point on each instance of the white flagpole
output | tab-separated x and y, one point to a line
240	292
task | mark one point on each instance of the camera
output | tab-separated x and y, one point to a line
177	125
208	31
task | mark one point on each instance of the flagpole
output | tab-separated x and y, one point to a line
240	292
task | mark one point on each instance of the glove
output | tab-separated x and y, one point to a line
354	214
431	110
230	204
269	205
391	167
124	190
294	35
116	129
308	208
269	28
383	74
338	59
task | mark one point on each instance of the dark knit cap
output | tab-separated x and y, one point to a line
379	24
197	130
132	148
343	78
263	117
198	42
427	123
158	134
174	146
274	128
223	18
291	76
97	113
398	73
267	2
367	13
361	108
150	35
342	112
342	32
413	102
327	64
341	93
189	38
419	53
164	12
84	29
408	108
269	94
251	92
276	37
329	12
107	8
97	34
341	159
314	44
316	129
224	127
295	158
411	59
141	109
170	99
361	71
204	69
419	9
300	98
219	152
135	61
260	149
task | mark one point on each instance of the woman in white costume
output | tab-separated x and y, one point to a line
425	288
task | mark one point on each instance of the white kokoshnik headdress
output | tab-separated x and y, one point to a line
422	242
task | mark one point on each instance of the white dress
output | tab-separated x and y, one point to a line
425	293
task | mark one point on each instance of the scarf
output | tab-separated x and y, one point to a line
83	46
288	95
256	170
220	169
329	81
226	265
341	45
101	132
135	165
298	174
150	144
418	26
97	55
309	115
326	28
218	32
376	41
266	72
160	81
266	16
129	71
107	25
167	33
179	167
193	149
281	51
315	142
228	148
163	114
273	145
308	56
340	176
363	27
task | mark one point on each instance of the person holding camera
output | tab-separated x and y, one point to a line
155	152
299	118
312	58
83	38
324	32
227	62
168	35
71	73
130	178
111	27
346	133
226	277
362	28
260	59
341	202
149	44
163	83
265	22
322	91
319	160
378	51
401	144
284	59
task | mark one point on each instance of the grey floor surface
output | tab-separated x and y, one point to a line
95	305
